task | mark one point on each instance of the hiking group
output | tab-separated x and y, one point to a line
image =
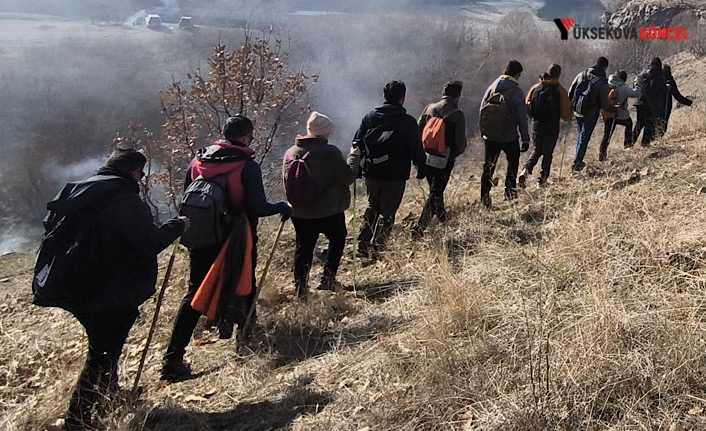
103	224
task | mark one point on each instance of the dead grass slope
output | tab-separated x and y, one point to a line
579	307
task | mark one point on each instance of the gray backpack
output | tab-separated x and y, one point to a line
205	203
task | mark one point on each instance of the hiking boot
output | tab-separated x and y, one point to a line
578	167
485	200
302	290
174	370
542	182
602	156
363	250
510	194
522	178
329	283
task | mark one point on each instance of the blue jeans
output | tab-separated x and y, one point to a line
586	126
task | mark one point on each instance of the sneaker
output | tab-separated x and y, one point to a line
522	178
485	200
578	167
175	370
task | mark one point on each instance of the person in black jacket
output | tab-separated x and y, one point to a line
128	257
389	139
673	92
652	104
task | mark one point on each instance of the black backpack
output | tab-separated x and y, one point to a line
67	270
585	97
205	203
544	103
382	139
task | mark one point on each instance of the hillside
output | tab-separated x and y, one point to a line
579	307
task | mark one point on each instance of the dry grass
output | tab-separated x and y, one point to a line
579	307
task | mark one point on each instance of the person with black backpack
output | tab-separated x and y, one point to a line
227	164
620	93
317	180
502	113
451	128
547	103
589	94
652	103
105	247
389	140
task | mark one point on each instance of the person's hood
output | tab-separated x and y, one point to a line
505	82
219	158
389	109
596	71
84	194
548	80
615	81
310	142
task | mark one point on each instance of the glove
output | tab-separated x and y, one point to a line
421	174
285	210
524	147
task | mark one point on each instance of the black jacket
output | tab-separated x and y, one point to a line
130	241
674	93
654	90
409	150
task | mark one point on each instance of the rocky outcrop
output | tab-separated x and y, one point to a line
661	13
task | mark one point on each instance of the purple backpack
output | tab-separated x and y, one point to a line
299	185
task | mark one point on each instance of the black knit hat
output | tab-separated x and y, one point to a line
236	127
126	160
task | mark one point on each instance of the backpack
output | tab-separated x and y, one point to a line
67	269
381	140
496	113
544	104
613	98
434	133
299	185
585	96
205	203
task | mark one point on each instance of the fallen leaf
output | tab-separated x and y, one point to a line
5	280
210	393
194	398
205	340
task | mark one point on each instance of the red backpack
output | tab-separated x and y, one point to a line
434	133
299	185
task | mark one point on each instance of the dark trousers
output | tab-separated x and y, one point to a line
544	146
492	153
384	199
437	179
652	124
106	333
307	231
608	130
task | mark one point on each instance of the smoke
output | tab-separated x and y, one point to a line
136	17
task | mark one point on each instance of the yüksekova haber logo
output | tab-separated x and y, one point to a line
651	32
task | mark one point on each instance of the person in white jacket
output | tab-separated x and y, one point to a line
622	116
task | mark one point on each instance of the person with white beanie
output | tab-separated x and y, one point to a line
331	176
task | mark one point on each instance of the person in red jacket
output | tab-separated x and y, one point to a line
231	156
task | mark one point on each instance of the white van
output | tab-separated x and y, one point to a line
153	20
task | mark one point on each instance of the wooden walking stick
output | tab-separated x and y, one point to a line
262	279
355	235
160	297
563	151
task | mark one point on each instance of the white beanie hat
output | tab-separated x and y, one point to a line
318	124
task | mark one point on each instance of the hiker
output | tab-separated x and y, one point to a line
323	211
438	174
652	104
389	140
673	92
621	92
589	94
547	103
129	243
503	112
230	157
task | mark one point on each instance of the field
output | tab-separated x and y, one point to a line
579	307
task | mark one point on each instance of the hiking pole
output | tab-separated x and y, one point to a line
563	151
262	279
355	235
160	298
